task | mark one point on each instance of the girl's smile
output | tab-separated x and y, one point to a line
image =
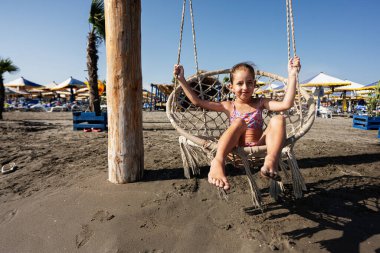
243	84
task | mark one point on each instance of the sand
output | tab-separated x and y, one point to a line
59	199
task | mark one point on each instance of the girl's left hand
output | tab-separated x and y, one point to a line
294	66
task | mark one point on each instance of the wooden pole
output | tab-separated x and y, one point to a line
124	89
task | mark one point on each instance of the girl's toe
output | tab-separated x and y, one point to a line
219	183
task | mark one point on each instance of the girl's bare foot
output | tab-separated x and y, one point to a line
216	176
269	169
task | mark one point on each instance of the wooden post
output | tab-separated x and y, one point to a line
124	89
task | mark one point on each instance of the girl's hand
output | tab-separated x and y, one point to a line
179	72
294	66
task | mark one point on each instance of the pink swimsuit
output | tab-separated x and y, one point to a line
254	120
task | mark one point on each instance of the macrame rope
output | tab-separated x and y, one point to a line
292	26
181	32
196	61
290	34
179	48
288	28
194	37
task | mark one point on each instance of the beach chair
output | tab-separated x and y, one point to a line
325	112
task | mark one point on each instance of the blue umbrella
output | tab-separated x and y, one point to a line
22	82
72	84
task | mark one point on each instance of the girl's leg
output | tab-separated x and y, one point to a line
274	138
228	140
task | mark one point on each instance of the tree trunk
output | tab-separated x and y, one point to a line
2	97
92	67
124	89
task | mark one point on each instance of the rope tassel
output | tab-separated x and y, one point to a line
298	181
284	168
189	157
276	189
256	195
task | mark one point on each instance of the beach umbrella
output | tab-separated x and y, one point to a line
50	86
81	90
22	83
11	91
322	81
101	87
352	94
370	86
70	83
351	87
271	87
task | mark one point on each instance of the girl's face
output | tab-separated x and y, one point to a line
243	85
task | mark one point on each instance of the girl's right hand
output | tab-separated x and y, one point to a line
294	66
178	71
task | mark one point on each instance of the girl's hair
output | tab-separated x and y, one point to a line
250	66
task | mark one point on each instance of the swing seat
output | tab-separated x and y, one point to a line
200	130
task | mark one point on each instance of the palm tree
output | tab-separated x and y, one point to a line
95	37
6	65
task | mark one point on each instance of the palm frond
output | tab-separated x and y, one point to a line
6	65
96	18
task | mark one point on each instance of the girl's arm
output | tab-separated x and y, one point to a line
209	105
294	66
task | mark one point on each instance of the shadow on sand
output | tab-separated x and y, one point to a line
177	173
338	160
349	204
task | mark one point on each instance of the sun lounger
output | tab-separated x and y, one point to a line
325	112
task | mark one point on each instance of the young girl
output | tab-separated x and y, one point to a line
246	120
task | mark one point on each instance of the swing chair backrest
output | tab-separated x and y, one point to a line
198	124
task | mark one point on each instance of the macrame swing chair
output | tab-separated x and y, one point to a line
200	129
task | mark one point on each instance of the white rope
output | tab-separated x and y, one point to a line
194	37
196	62
181	32
290	34
179	48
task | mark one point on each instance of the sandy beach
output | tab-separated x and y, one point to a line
59	199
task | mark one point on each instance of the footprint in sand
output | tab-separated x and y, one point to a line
8	216
84	236
86	233
102	216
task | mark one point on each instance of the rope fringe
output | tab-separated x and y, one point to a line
256	195
298	181
276	189
190	158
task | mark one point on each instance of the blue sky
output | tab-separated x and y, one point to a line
47	39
